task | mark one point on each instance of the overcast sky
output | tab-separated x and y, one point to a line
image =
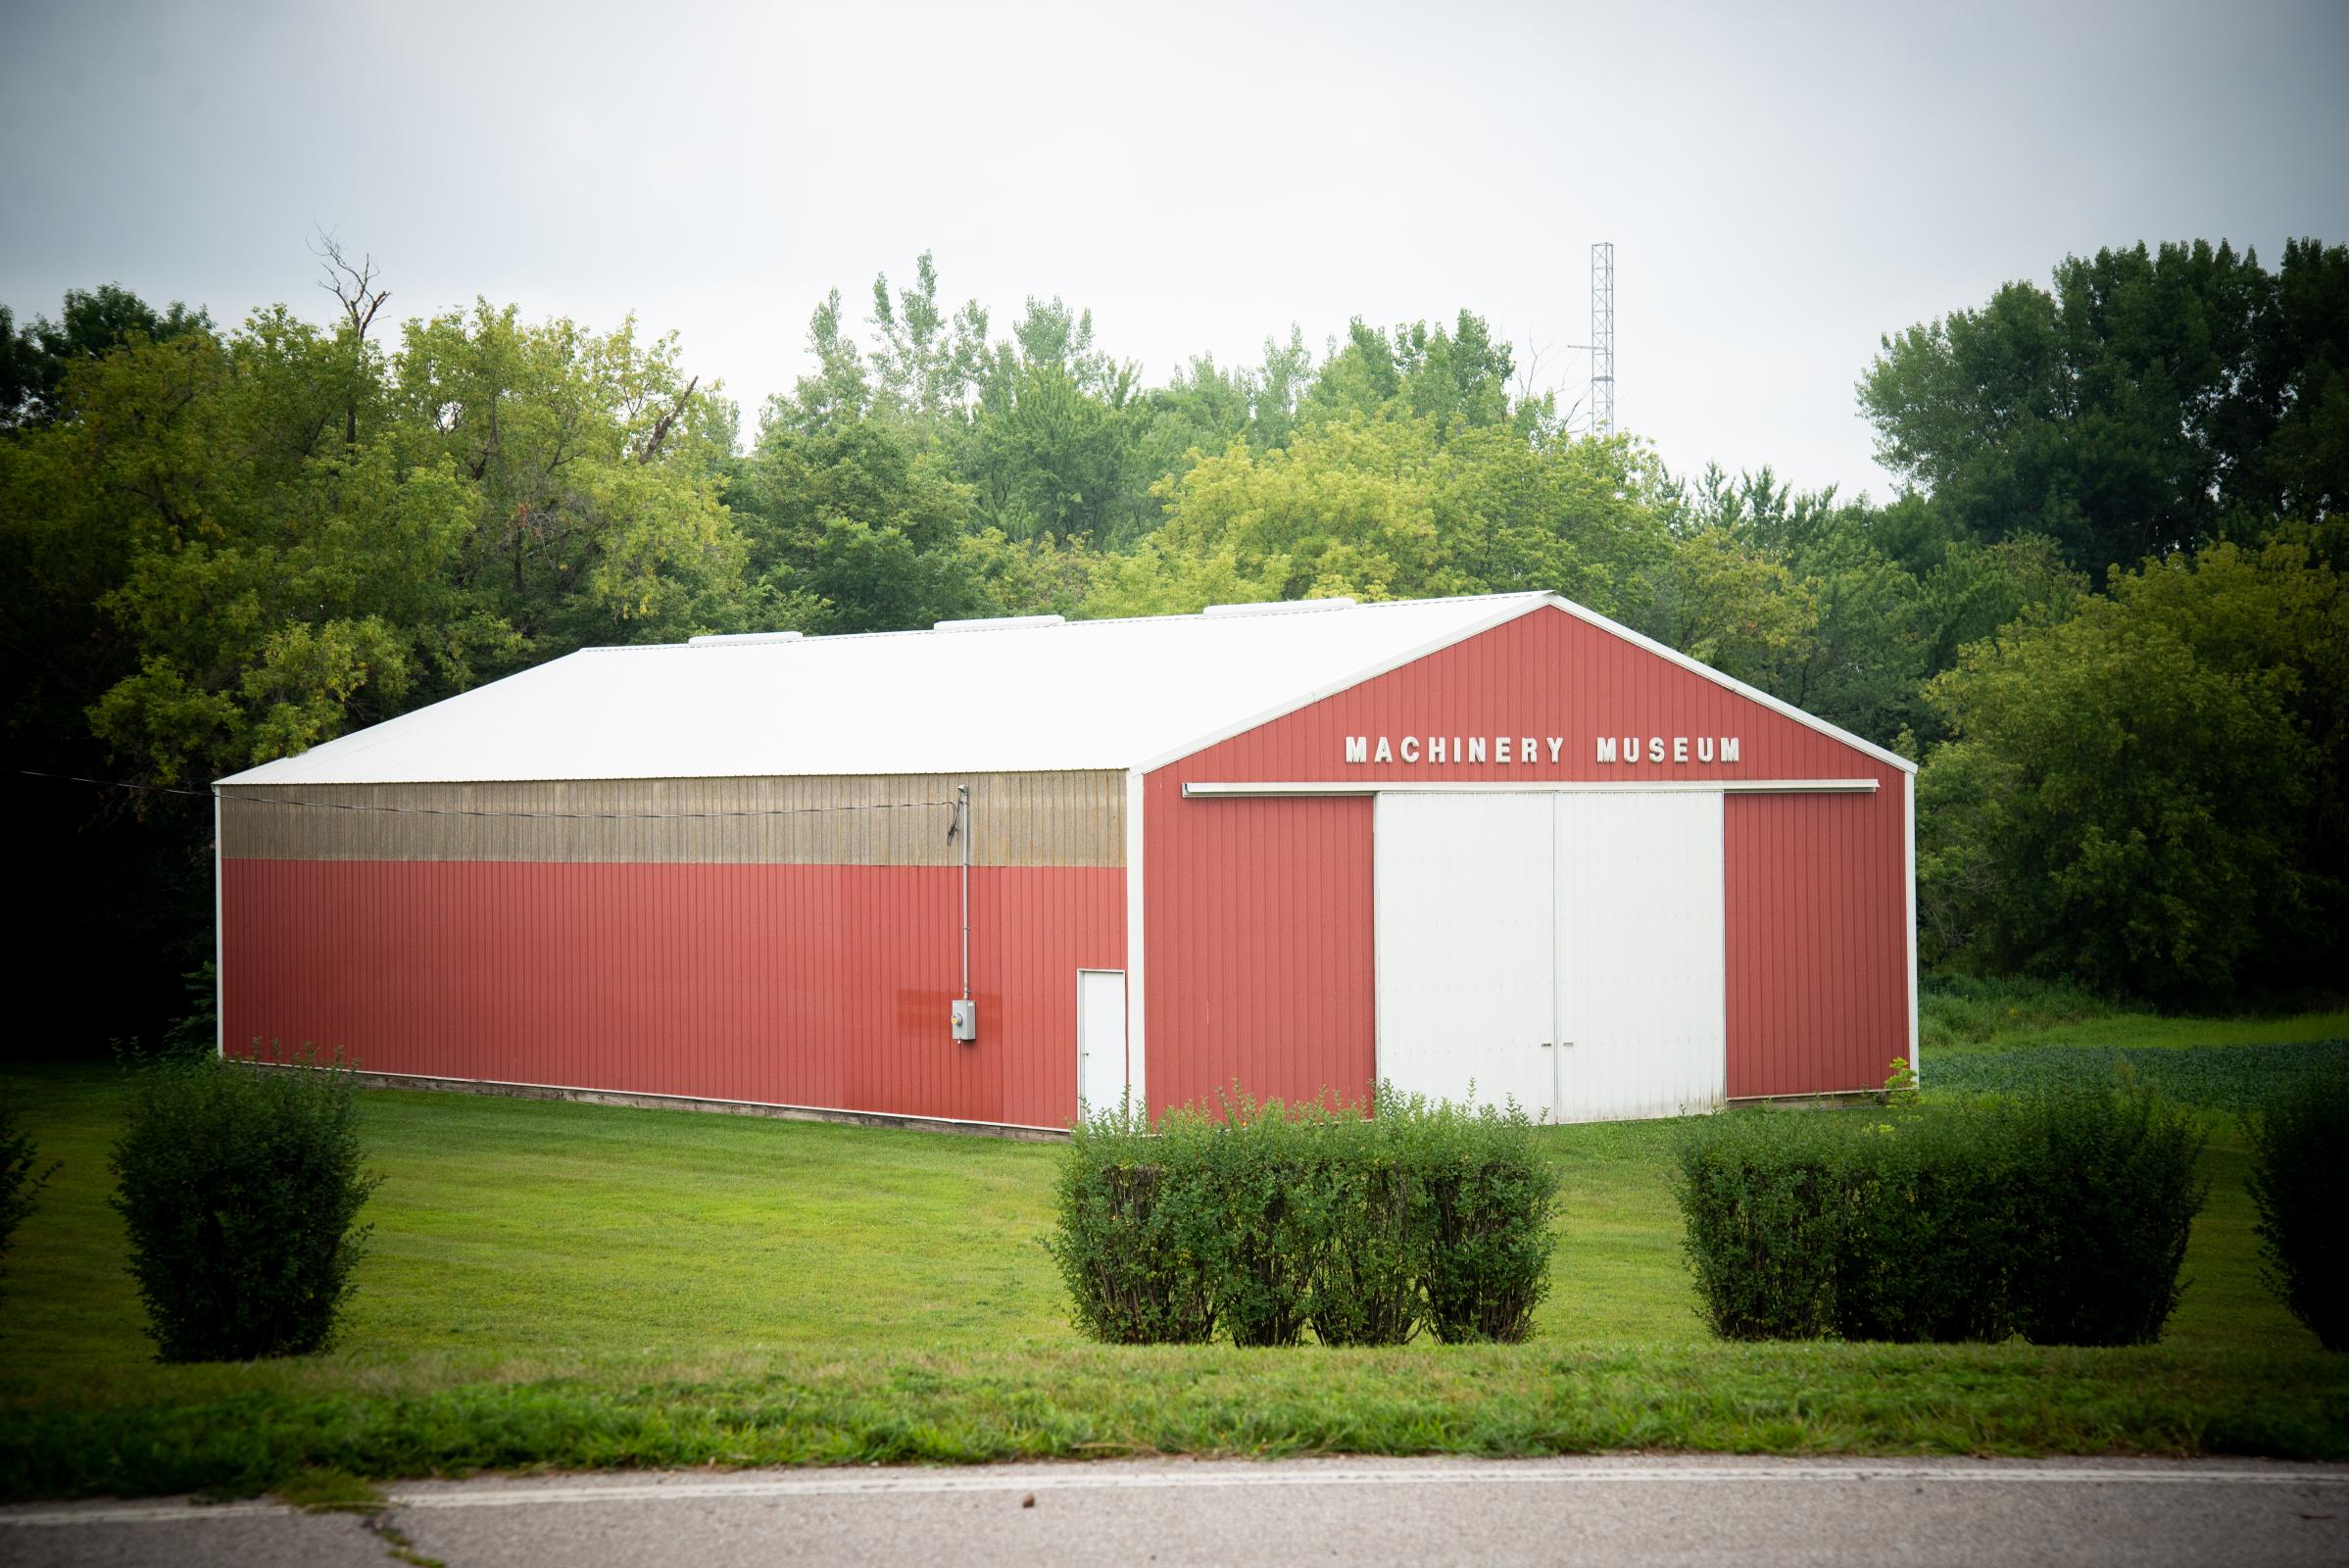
1780	192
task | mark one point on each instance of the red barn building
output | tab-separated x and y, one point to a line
1496	841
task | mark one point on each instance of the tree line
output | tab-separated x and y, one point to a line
2102	606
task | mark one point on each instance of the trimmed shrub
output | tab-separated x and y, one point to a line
1136	1245
1257	1172
2300	1185
1764	1226
1924	1235
1279	1218
1371	1239
2104	1196
1491	1201
20	1184
241	1188
2064	1219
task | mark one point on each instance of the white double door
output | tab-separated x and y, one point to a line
1565	951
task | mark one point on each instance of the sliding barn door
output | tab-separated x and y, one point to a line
1641	950
1564	951
1465	946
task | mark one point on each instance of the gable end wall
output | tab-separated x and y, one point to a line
1259	912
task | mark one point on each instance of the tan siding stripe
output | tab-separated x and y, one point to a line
1074	819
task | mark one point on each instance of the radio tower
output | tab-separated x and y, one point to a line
1603	338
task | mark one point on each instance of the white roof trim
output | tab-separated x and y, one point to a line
1515	605
1553	786
1512	605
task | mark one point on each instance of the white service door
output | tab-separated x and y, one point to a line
1464	896
1642	1023
1101	1040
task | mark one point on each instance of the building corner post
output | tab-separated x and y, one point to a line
1137	1035
1908	835
220	940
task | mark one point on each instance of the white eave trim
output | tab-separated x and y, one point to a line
1509	609
1512	609
1559	786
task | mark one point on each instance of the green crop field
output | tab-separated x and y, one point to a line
559	1285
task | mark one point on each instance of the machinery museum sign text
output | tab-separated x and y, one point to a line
1534	749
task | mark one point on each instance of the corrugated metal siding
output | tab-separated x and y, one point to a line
1258	920
1818	942
1221	874
1054	818
821	986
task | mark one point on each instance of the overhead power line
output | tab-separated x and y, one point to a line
458	811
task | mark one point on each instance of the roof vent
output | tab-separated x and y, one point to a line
738	639
1279	607
1000	623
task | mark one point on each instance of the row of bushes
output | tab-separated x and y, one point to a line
2063	1218
2300	1186
1274	1220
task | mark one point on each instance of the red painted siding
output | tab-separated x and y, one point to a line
1259	911
799	984
1258	920
1818	942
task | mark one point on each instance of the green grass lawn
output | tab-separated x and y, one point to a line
1964	1016
569	1285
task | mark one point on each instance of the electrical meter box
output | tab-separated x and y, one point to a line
967	1020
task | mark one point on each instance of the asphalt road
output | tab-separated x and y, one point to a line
1616	1510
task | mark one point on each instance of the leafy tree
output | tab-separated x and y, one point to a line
1280	386
1456	378
591	466
839	391
1032	576
1051	446
2149	403
926	365
129	874
1721	601
34	358
1874	602
303	556
1388	507
2143	796
852	529
2301	381
1202	408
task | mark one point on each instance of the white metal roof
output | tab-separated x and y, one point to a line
1021	695
1009	696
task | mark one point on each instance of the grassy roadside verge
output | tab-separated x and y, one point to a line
1092	1402
581	1286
